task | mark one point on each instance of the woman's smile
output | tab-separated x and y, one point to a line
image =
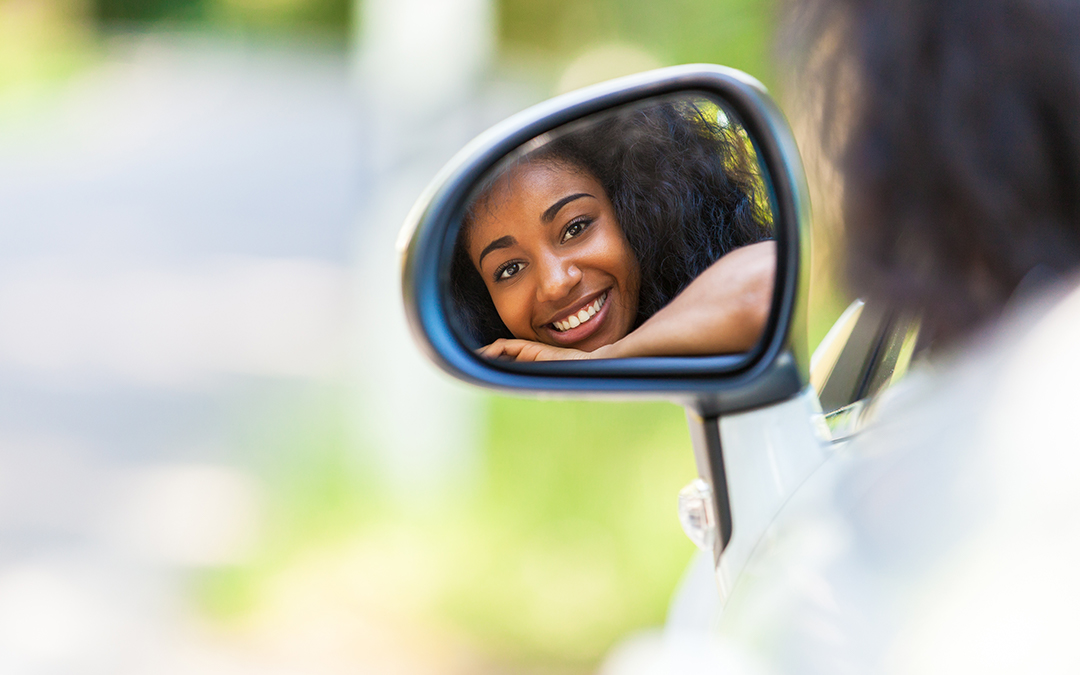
575	319
579	325
554	258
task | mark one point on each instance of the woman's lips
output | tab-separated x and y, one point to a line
581	316
582	323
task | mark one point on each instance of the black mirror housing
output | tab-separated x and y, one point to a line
776	369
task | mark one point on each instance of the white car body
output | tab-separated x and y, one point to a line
944	537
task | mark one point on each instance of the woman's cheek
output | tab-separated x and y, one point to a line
514	310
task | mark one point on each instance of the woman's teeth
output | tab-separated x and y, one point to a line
583	315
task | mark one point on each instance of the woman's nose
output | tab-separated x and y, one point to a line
557	278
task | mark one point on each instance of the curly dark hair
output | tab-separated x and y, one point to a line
956	128
685	189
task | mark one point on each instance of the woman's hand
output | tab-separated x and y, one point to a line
527	350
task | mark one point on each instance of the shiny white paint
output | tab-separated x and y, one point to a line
768	453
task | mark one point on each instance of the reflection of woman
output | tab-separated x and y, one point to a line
643	234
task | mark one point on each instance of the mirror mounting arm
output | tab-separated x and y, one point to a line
709	456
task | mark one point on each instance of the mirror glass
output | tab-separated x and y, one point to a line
645	230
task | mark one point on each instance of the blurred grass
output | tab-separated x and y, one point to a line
568	541
582	540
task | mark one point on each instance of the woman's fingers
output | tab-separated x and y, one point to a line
527	350
502	348
523	350
490	351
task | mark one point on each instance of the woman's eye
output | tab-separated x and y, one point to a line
575	228
508	270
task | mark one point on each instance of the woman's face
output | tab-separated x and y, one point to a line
554	259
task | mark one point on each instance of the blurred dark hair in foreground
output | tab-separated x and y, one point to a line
956	128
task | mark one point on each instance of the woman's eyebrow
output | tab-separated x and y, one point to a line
549	215
501	242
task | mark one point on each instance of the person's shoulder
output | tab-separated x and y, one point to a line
1033	411
1006	400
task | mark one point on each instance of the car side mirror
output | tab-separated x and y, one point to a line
646	236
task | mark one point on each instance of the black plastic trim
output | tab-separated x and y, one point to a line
705	434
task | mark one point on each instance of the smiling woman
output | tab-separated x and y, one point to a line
565	275
639	233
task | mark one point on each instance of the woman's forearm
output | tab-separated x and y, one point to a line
722	311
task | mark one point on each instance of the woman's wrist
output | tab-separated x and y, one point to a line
620	349
610	351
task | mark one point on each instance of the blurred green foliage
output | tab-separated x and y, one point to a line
283	15
734	33
147	10
42	42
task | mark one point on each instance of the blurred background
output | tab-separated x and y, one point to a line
219	450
